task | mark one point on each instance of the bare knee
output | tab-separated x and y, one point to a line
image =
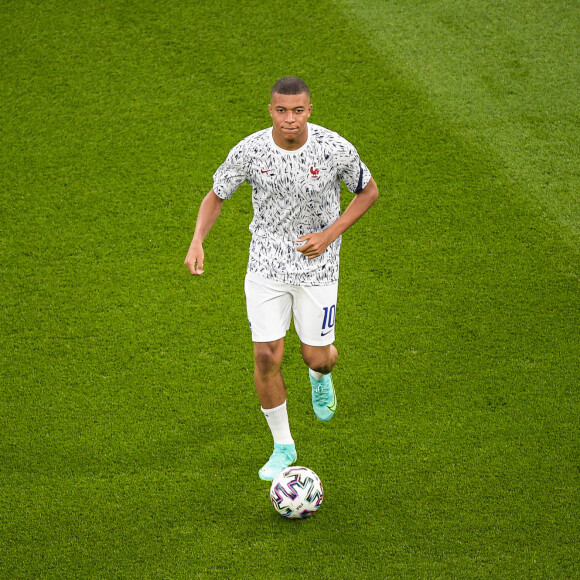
268	357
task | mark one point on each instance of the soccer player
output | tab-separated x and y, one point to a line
295	169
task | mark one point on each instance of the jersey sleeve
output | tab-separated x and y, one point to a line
231	173
352	170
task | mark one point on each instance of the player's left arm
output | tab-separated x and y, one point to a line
315	244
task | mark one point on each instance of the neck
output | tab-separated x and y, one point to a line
292	145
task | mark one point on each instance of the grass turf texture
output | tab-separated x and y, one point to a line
131	435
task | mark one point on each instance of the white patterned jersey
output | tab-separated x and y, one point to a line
293	193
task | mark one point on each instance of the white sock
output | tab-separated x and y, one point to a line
279	425
316	375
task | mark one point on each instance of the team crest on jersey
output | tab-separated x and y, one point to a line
314	172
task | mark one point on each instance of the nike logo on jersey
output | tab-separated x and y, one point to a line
266	170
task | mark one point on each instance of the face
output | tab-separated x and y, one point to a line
289	116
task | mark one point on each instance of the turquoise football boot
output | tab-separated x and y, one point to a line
323	397
284	456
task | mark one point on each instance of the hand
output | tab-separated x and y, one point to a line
314	244
194	259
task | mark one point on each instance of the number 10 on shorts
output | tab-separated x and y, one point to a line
329	319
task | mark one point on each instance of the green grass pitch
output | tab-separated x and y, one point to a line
130	434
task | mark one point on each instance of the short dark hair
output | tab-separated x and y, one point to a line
290	86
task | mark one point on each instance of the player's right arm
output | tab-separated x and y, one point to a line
209	211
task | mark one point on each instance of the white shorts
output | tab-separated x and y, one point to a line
271	306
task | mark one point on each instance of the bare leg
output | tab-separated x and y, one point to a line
270	386
319	358
271	391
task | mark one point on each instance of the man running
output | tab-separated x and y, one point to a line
295	169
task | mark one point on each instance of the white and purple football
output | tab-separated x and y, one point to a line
296	492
